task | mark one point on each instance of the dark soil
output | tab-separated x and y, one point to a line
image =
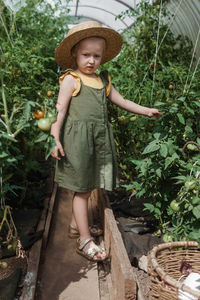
26	215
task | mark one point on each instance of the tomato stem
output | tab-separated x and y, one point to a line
12	231
5	108
18	130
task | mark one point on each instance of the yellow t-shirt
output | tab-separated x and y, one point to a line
89	81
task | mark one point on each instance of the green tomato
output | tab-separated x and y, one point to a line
175	206
44	124
9	247
195	192
123	119
191	147
14	245
3	264
190	184
52	117
167	237
132	119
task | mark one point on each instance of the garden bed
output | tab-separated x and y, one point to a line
127	276
18	278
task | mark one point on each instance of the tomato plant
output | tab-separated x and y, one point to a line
152	149
28	88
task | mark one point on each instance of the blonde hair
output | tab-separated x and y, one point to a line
74	49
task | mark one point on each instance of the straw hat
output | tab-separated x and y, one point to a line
84	30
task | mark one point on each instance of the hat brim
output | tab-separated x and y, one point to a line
113	39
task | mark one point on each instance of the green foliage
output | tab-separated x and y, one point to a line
29	78
149	150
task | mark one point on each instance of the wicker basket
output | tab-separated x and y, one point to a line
164	263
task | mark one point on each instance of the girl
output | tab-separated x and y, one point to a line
85	149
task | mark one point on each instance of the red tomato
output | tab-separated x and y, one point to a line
50	93
38	114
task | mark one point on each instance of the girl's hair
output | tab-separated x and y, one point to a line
73	50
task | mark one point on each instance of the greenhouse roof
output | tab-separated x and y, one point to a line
103	11
185	14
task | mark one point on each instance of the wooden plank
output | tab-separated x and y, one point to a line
123	279
64	274
49	217
34	254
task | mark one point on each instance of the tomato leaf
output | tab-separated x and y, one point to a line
51	143
159	172
196	211
149	207
153	146
195	200
27	110
182	99
181	119
42	137
163	150
157	135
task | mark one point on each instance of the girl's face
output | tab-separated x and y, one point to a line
88	54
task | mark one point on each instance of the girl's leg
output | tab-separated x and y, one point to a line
80	216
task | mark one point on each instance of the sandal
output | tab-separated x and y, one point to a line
95	231
91	251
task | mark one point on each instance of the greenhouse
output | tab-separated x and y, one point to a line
99	149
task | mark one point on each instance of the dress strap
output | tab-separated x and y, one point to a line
105	77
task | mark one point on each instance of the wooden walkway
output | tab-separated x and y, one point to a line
63	274
56	272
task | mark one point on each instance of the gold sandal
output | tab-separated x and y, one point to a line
91	251
95	231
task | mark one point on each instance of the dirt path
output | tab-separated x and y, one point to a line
63	274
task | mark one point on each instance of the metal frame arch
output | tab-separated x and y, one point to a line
97	8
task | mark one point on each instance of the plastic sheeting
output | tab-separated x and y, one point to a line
186	21
103	11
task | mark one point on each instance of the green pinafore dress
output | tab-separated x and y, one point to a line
90	157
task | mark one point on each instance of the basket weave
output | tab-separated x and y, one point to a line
164	263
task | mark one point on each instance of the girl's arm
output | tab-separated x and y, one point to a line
67	87
128	105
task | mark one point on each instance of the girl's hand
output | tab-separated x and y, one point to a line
153	112
57	151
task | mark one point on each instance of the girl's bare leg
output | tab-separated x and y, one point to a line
80	214
80	218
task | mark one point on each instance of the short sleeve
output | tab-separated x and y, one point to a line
107	80
77	79
108	86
